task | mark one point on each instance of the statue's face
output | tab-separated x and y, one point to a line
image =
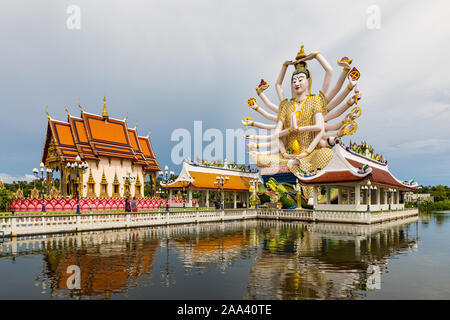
299	83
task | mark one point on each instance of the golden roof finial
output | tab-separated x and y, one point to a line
149	132
46	112
126	118
104	113
301	53
137	122
79	106
67	111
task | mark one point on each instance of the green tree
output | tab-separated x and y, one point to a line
439	193
6	196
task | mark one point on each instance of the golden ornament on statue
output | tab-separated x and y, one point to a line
354	74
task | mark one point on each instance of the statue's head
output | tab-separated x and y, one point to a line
301	80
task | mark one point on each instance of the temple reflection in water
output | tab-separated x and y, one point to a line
285	260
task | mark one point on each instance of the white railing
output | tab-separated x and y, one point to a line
42	224
336	216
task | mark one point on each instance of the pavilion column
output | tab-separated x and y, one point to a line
385	196
190	197
207	199
62	181
377	195
247	199
328	195
170	194
357	195
315	197
153	181
398	196
49	182
235	200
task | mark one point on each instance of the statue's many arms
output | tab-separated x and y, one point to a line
303	135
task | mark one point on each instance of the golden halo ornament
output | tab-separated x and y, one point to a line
349	128
251	102
355	113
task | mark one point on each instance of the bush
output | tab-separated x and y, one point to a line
427	206
410	204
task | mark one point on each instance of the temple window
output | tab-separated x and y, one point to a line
91	186
104	187
137	186
116	187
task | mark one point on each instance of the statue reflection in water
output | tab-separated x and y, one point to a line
326	260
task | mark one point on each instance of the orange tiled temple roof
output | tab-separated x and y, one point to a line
343	168
92	136
204	177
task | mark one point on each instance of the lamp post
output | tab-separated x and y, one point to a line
220	182
36	173
77	166
255	183
159	194
185	182
165	176
128	180
389	197
369	189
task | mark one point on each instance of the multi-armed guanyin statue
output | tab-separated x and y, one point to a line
303	134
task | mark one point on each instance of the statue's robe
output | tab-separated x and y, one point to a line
298	142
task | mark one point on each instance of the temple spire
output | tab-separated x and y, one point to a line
46	112
79	106
105	112
67	111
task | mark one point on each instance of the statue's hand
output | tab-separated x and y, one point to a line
263	85
248	136
352	83
344	64
309	56
288	62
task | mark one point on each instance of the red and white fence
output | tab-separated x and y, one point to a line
88	204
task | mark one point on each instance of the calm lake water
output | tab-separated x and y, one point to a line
406	259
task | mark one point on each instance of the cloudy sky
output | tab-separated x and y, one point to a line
169	63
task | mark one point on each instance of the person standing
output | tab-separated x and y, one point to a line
127	205
134	205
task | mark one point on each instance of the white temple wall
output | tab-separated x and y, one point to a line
111	167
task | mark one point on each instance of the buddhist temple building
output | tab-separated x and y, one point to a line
203	178
363	183
107	147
